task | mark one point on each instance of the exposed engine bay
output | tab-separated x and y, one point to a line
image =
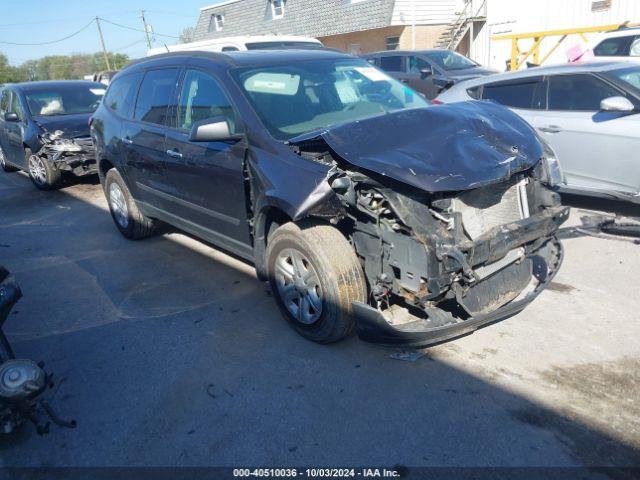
23	383
444	262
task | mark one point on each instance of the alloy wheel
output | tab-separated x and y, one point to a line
37	170
298	286
118	205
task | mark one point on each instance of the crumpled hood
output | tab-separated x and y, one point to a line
73	126
451	147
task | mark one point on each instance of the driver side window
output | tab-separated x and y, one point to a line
417	64
16	107
202	98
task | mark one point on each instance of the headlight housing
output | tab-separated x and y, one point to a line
553	174
55	142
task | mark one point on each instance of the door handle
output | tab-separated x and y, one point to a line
174	154
127	141
551	129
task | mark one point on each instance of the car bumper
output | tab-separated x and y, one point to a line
372	326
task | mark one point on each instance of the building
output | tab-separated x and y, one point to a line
468	26
355	26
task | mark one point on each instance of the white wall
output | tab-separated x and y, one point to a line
427	12
522	16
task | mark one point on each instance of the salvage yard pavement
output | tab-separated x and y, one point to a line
170	352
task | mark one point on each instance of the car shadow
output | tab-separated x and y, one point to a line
170	353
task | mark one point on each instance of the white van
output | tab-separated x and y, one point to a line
255	42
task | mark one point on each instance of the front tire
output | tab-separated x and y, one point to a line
315	276
129	220
3	163
41	172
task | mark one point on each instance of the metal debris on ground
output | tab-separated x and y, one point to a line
408	355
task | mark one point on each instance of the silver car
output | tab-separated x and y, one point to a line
588	113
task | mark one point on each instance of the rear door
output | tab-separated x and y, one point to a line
525	96
597	150
207	178
5	102
143	137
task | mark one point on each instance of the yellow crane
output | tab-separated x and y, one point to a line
518	57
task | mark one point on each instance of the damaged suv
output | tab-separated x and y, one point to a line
44	129
361	204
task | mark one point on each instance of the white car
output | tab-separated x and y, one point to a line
231	44
589	114
619	45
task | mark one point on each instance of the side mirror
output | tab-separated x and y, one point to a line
425	72
443	83
212	130
616	104
11	117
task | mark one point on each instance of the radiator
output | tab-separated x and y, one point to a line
485	208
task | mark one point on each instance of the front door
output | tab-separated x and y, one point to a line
12	132
419	75
597	150
207	178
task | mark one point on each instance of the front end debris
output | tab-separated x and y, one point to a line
445	249
74	155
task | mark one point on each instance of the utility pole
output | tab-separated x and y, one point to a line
104	49
146	28
413	24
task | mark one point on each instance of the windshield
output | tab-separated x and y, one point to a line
630	76
448	60
64	99
310	95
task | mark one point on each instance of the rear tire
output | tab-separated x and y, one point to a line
41	172
5	166
315	276
124	211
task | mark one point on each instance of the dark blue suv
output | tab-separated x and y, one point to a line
361	204
44	129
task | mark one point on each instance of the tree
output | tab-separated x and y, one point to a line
187	35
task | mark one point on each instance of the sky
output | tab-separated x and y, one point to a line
39	21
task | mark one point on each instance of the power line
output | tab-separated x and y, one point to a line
52	41
137	29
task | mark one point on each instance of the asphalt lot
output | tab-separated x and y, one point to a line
173	353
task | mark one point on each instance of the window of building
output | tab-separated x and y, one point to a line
277	9
522	94
392	43
122	94
156	93
202	99
354	49
391	63
578	92
216	22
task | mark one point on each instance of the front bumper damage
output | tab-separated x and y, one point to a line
76	156
373	326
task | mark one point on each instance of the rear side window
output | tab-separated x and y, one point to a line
474	92
122	94
522	94
155	96
613	47
391	63
578	92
